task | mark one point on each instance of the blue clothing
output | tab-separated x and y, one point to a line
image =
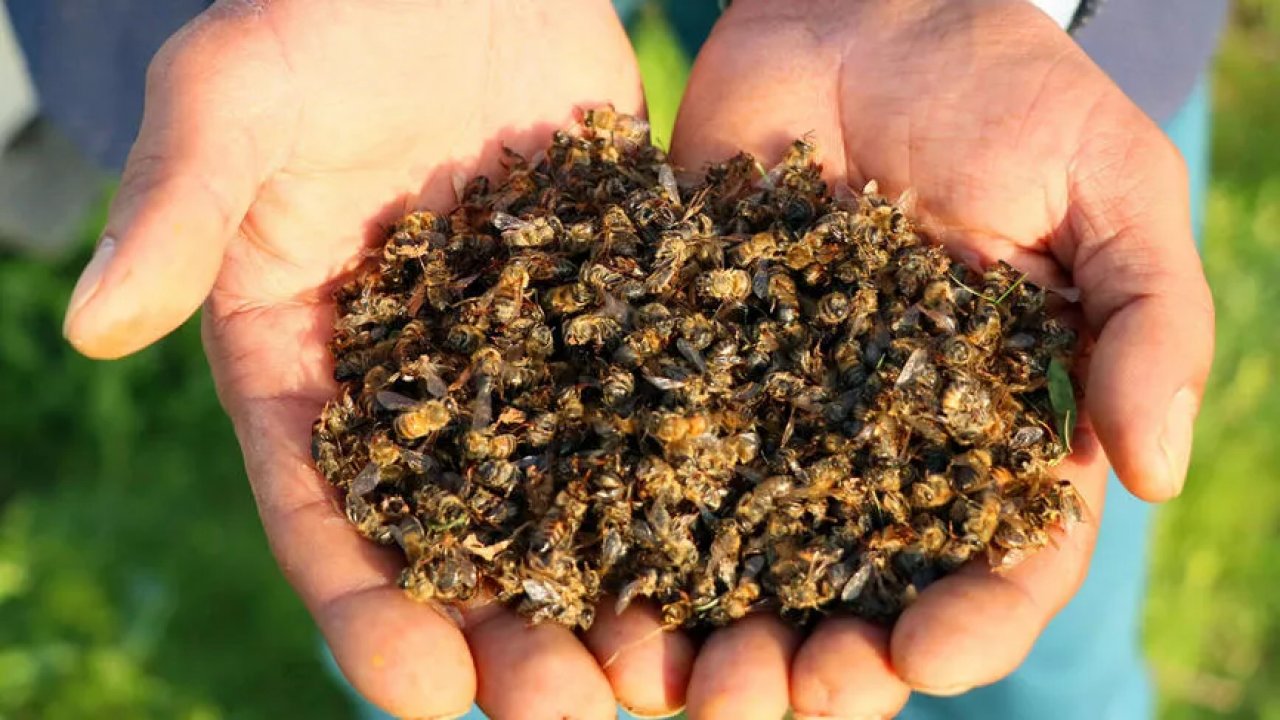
88	61
88	57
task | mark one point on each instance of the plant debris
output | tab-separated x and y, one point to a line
738	395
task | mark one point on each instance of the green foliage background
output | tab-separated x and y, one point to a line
135	581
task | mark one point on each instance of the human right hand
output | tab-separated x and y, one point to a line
281	138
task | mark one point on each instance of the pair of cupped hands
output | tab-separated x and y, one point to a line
281	137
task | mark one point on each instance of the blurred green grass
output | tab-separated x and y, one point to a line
135	581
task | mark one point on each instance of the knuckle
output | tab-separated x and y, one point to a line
815	694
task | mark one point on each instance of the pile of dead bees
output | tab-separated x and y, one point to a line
726	396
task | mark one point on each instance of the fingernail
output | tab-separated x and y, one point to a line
90	278
948	691
648	714
1175	438
799	716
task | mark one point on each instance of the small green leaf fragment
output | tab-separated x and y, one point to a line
1062	397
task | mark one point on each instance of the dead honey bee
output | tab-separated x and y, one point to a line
743	598
416	418
976	519
628	129
538	232
672	254
670	428
507	294
757	503
618	386
542	430
594	330
931	491
760	246
484	444
640	344
428	372
780	292
833	308
968	410
465	338
729	285
557	527
569	299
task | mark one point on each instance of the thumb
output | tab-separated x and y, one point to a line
1146	298
189	181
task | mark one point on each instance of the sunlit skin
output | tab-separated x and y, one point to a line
282	136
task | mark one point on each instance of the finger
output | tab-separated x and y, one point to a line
647	666
842	671
760	108
531	672
206	142
976	626
741	672
1145	296
403	656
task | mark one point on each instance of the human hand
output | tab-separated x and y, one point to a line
1018	148
280	139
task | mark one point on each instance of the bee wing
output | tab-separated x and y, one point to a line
1069	294
906	202
482	406
1020	341
366	480
913	367
1026	436
1003	561
506	221
435	384
945	321
667	179
664	384
462	283
614	308
641	586
760	280
418	462
857	583
540	592
692	354
394	401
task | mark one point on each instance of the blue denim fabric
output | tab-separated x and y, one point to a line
88	60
